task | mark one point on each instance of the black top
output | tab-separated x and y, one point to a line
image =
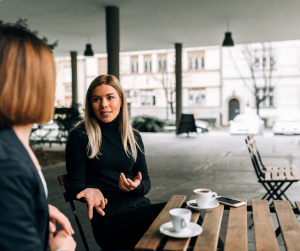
104	172
24	217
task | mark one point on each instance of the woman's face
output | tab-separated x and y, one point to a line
106	103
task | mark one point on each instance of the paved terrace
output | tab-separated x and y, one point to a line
177	165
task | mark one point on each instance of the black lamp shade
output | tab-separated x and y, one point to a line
88	51
228	40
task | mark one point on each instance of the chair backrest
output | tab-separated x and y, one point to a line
248	139
255	162
63	181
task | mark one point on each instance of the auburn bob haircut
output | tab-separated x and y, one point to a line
27	78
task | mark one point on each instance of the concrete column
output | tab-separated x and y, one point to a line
112	40
74	77
178	77
221	88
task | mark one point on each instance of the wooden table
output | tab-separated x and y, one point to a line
236	236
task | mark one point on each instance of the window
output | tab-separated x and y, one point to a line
269	100
263	59
134	64
67	75
162	62
132	96
147	97
196	60
197	97
148	66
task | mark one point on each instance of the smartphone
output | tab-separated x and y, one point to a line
230	202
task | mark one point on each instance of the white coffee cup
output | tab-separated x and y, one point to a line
204	196
180	218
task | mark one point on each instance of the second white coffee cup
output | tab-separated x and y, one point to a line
180	218
204	196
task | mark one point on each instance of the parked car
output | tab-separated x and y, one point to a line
246	124
287	124
202	126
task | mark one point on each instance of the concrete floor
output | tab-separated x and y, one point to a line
178	165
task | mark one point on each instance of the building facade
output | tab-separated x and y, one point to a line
270	69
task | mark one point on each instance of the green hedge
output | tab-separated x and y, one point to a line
145	123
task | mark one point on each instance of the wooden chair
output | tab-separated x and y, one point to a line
63	181
275	179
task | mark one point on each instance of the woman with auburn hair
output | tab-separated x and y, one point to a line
27	88
107	168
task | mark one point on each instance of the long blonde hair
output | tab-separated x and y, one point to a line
92	127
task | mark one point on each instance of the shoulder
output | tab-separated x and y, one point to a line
79	132
138	138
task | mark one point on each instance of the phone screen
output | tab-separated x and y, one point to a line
228	200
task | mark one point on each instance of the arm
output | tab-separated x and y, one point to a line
141	166
76	158
18	224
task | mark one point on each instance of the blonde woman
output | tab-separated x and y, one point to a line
107	168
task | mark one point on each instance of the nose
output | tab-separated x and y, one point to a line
104	103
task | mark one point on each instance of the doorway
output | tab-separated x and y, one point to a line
234	108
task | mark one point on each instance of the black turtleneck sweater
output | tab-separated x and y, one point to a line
104	172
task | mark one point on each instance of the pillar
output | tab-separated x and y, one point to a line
112	40
74	77
178	79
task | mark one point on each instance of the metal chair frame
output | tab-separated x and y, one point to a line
63	181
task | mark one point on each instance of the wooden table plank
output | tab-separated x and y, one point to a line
298	205
208	239
265	238
174	244
268	175
152	237
288	223
236	236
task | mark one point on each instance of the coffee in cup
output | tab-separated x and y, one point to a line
180	218
204	196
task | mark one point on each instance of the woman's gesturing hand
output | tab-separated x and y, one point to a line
128	185
94	199
63	221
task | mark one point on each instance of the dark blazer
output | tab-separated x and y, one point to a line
24	217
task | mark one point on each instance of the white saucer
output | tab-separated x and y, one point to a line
209	207
193	229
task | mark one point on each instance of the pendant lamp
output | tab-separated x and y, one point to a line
228	41
88	50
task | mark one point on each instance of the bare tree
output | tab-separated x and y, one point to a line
267	58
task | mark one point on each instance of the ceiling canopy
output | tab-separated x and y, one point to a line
156	24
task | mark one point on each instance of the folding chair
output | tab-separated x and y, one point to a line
63	181
275	179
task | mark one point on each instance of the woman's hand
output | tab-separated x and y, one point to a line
94	199
62	241
128	185
63	221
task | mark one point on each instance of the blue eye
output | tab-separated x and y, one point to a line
111	97
95	99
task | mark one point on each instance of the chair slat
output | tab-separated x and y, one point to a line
152	237
181	244
275	175
265	238
281	175
268	175
289	175
208	239
295	175
289	226
236	236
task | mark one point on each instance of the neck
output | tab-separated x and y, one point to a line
112	126
23	133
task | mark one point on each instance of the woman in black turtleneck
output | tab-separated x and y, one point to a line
109	176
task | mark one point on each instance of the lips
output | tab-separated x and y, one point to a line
105	113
